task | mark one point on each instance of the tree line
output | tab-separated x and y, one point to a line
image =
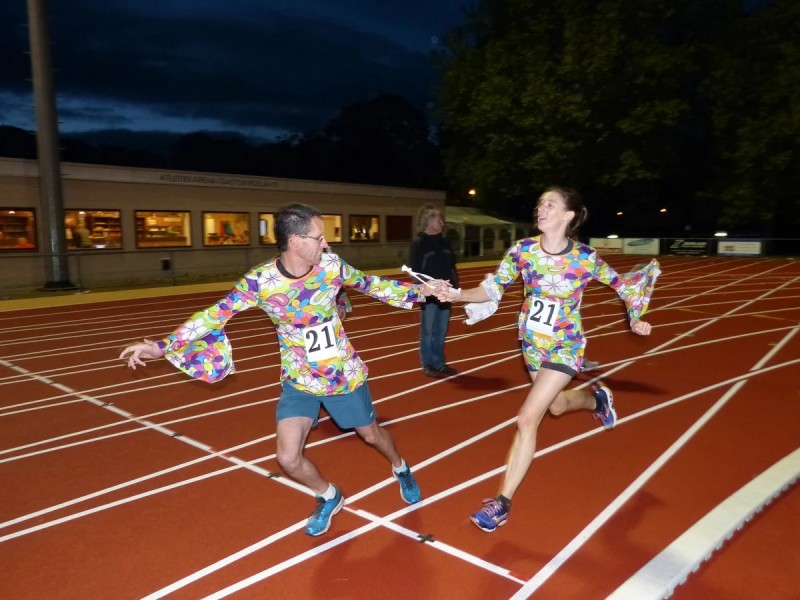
687	104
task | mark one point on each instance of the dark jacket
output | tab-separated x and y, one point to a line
433	255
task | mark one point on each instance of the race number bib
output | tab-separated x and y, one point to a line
320	342
542	317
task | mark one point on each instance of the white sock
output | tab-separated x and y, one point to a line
330	493
401	469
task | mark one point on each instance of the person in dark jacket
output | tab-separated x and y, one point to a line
432	255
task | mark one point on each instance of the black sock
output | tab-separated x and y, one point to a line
505	502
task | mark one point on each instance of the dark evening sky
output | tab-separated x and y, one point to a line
259	67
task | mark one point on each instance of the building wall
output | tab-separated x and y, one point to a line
123	189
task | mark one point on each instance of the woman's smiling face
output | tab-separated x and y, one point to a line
551	213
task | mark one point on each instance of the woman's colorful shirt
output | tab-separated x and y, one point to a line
549	320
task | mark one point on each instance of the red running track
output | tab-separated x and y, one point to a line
120	484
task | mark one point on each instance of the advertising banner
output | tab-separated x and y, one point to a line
689	247
648	246
606	245
739	247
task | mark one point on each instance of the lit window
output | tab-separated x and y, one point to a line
228	229
266	228
156	229
17	229
333	227
92	229
364	228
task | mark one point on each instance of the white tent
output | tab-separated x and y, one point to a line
473	233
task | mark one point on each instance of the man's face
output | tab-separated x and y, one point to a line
311	244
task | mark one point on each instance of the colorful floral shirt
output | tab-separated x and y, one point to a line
549	320
316	355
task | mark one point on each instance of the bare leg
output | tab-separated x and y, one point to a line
570	400
292	434
380	439
547	386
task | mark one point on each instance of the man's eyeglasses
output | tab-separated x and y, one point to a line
317	239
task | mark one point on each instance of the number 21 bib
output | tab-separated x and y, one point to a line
320	342
542	317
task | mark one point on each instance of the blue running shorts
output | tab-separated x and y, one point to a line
350	410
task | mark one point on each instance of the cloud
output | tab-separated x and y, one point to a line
242	64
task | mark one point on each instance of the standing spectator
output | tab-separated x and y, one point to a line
82	236
432	255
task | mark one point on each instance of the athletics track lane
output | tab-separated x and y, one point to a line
60	445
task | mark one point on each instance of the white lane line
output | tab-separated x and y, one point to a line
374	522
248	317
511	353
542	452
216	566
115	503
443	494
575	544
154	383
266	438
671	567
238	447
145	416
137	480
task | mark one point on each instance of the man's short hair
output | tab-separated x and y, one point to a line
293	219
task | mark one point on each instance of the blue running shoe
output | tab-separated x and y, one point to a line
409	490
605	407
320	520
491	516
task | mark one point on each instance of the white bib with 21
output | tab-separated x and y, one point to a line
542	316
320	341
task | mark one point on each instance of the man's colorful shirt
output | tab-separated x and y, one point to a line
316	355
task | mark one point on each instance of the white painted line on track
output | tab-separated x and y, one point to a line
259	440
375	521
253	462
153	381
575	544
510	353
384	521
469	483
131	482
447	492
671	567
493	471
587	532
